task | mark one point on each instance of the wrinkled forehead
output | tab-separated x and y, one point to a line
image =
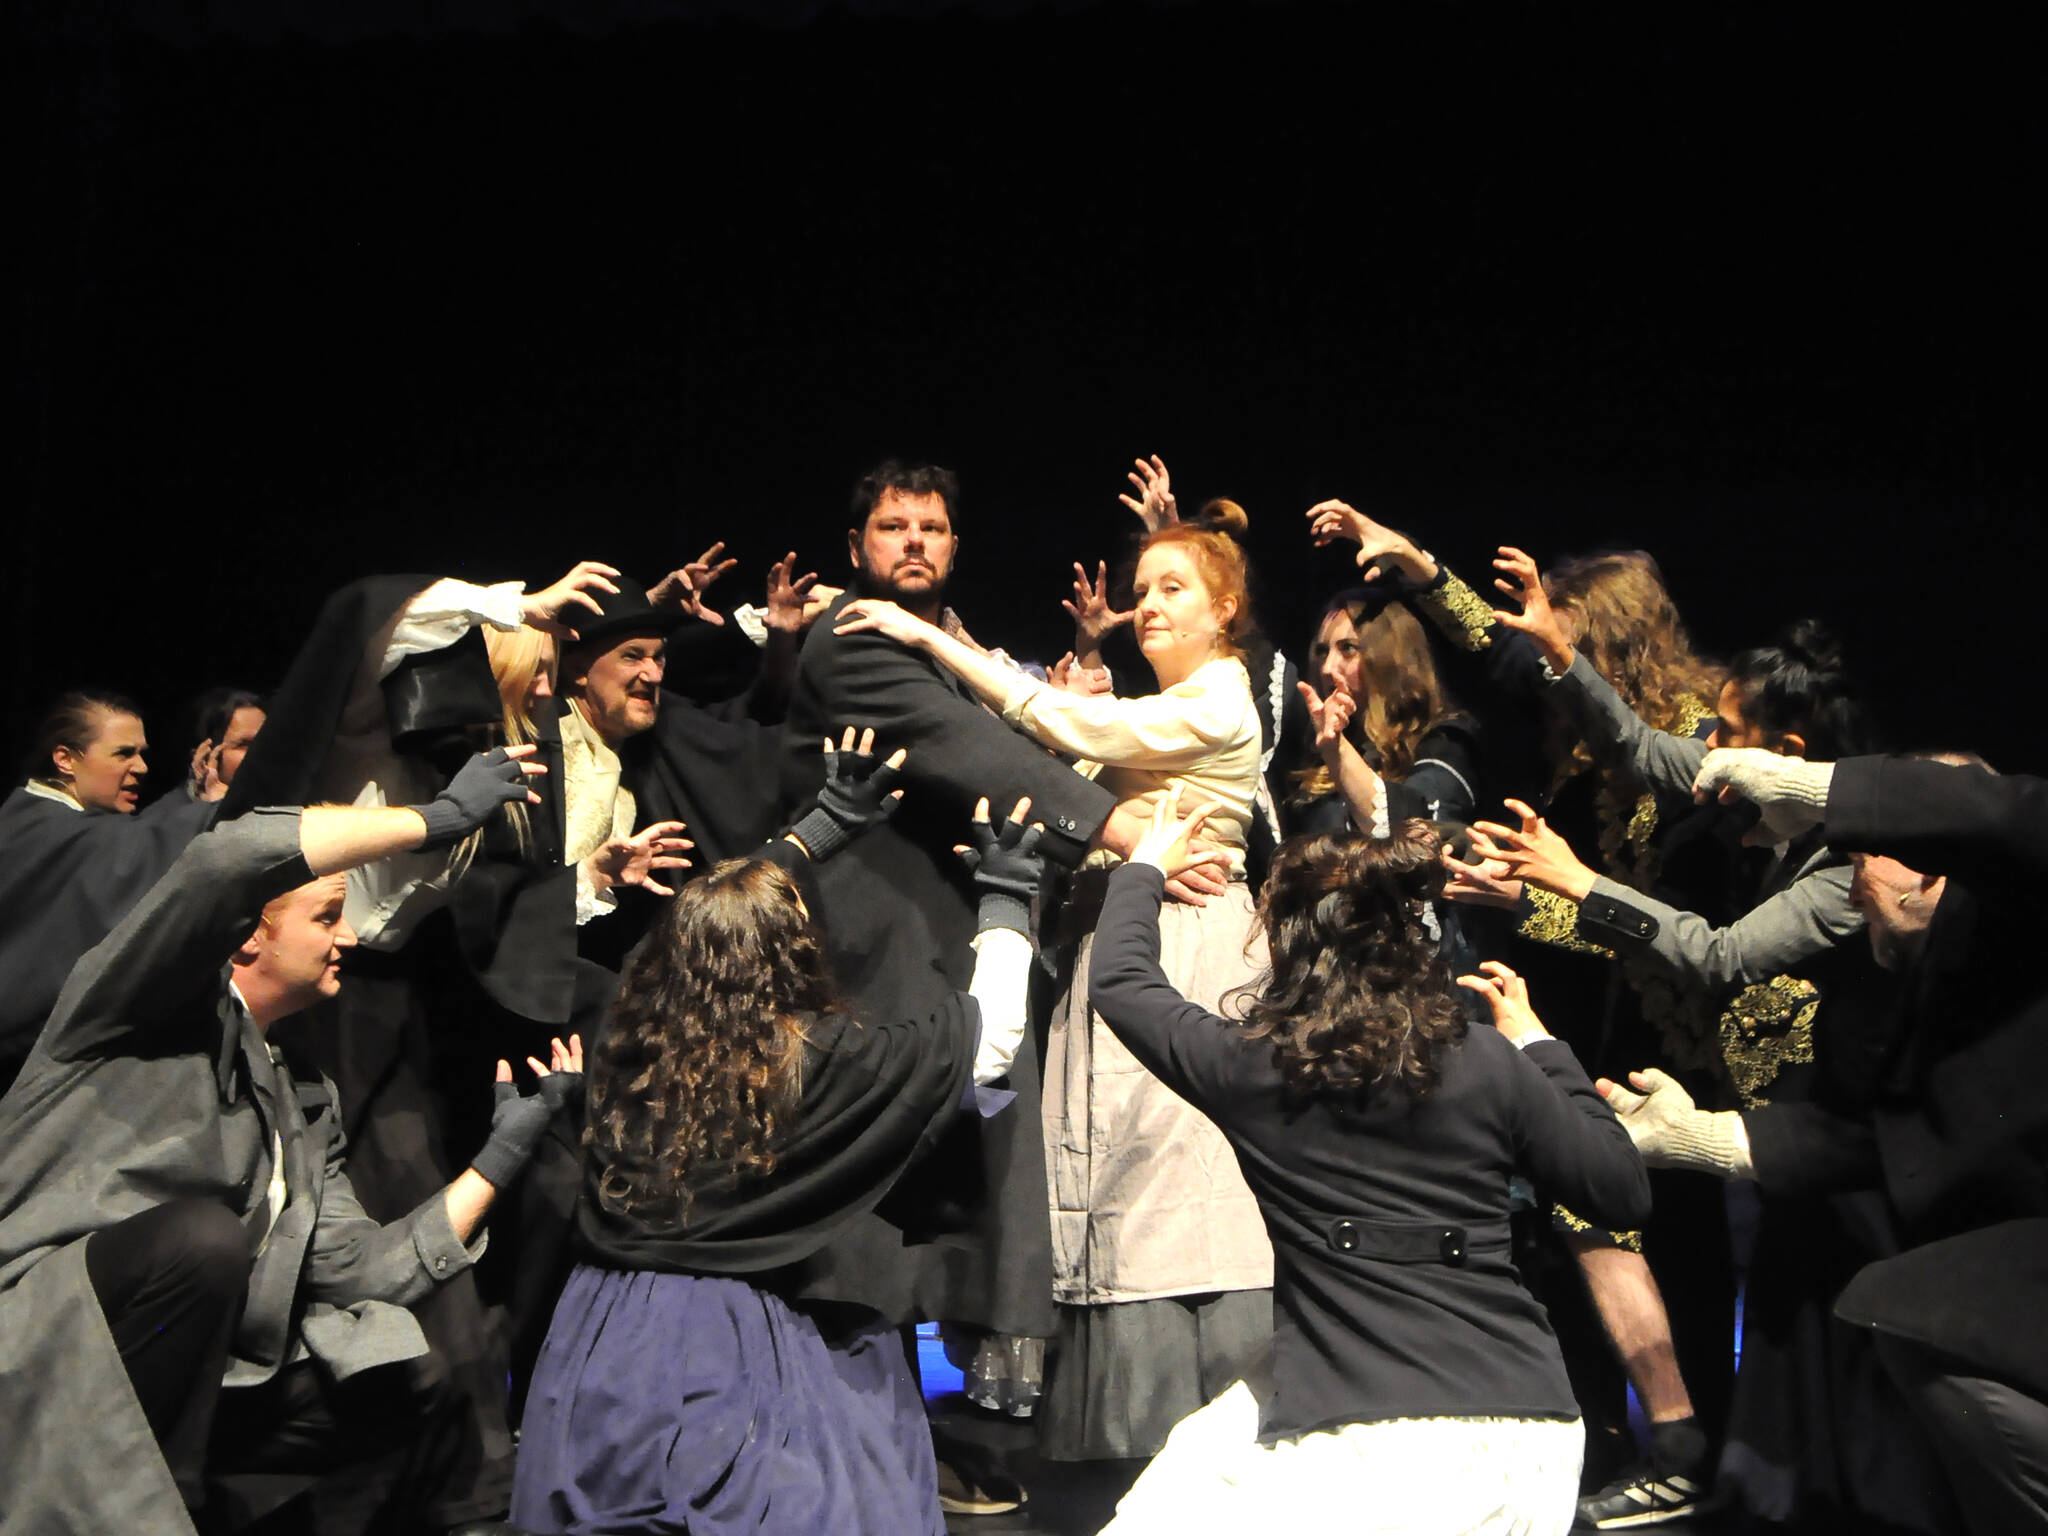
919	506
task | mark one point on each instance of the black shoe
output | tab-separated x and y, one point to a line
1644	1495
970	1482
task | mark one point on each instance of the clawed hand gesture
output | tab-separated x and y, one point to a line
1330	715
1533	852
683	589
1488	883
1170	846
551	609
1381	551
1520	580
1154	503
1508	996
795	602
1005	860
1090	609
633	860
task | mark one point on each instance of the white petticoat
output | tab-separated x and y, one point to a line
1500	1477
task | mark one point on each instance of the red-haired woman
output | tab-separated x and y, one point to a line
1161	1265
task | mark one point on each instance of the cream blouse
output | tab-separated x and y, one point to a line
1201	735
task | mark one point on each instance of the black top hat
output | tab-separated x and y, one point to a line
626	612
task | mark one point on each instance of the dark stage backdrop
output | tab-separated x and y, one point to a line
486	290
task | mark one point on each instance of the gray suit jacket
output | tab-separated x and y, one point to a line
148	1082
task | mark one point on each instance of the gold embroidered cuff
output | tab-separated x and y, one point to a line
1578	1226
1554	919
1465	617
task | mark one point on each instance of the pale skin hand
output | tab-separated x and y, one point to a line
1508	996
683	589
469	1195
1533	852
1359	785
1380	549
1170	846
1485	884
1091	612
1154	503
1126	828
553	610
1070	676
1520	580
789	604
206	771
633	860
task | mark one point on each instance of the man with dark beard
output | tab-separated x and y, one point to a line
970	1241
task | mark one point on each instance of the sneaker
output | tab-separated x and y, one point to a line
1642	1495
970	1483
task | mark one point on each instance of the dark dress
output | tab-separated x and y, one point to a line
688	1382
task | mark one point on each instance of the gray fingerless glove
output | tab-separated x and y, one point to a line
517	1124
479	787
1008	870
855	797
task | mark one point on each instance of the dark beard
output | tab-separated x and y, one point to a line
867	584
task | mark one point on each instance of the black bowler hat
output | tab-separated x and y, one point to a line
626	612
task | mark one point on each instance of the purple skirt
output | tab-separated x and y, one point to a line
701	1404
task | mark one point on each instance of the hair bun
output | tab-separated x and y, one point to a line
1222	515
1811	643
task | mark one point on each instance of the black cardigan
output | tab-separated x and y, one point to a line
1360	1338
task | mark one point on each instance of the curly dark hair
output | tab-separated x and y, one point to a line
1357	995
702	1065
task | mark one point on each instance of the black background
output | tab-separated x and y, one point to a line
308	291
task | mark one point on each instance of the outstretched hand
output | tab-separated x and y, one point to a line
1507	994
482	784
790	606
1090	608
1533	852
877	615
1381	551
1330	716
1520	580
553	610
1004	860
1170	846
1154	503
633	860
518	1121
683	589
1489	883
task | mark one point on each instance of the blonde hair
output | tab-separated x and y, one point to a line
1402	700
518	657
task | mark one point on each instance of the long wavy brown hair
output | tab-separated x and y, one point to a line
1622	616
1357	995
701	1068
1403	701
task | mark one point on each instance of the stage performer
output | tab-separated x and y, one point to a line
75	855
898	914
190	1295
1160	1262
1950	863
741	1121
1413	1383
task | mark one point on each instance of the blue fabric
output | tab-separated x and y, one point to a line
701	1404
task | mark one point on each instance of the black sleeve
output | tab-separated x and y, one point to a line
1569	1140
958	750
1807	1149
1446	774
1184	1045
1981	828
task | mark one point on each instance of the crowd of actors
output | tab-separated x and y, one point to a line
550	1047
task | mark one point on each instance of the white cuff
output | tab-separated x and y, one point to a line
590	901
445	612
752	622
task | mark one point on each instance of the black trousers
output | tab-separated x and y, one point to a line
298	1453
1992	1437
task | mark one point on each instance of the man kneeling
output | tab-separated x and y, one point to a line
188	1286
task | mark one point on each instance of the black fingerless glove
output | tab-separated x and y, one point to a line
855	797
1007	869
479	787
517	1124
